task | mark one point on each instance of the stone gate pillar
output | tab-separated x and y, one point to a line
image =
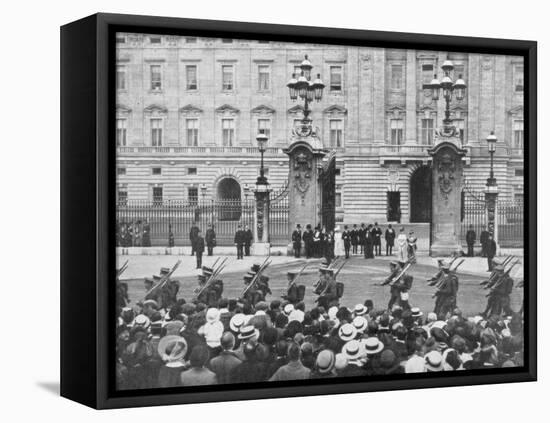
447	168
304	195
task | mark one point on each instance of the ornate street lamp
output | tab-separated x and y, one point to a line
261	139
492	147
447	88
302	86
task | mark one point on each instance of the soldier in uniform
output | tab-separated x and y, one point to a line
247	234
395	291
239	242
445	295
199	248
211	294
328	291
169	292
210	239
295	293
297	240
499	296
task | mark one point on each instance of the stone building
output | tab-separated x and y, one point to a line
189	109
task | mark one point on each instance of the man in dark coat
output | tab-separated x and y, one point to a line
446	292
307	237
199	248
210	239
247	240
192	237
377	239
297	240
146	234
224	364
470	240
346	237
239	242
491	250
362	234
483	238
354	239
390	240
369	242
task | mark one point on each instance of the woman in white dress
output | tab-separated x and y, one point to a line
339	249
402	245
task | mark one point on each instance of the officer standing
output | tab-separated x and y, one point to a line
470	240
239	242
346	237
199	248
297	240
390	240
210	239
247	240
377	239
307	237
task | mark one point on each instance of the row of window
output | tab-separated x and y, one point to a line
397	78
336	131
157	39
227	77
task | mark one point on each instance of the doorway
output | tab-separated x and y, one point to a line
229	199
421	195
394	206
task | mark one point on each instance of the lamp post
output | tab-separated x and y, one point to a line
491	191
302	86
447	88
261	193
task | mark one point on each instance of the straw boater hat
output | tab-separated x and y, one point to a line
325	361
416	312
247	332
289	308
151	303
360	310
142	320
347	332
434	361
353	350
340	362
360	324
372	345
178	347
236	322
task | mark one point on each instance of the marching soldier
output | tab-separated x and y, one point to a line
260	289
327	289
499	295
295	292
166	295
395	292
210	294
446	292
297	241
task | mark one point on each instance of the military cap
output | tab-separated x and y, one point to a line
156	278
164	270
255	267
207	269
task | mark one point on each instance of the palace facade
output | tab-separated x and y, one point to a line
189	109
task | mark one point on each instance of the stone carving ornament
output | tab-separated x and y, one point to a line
446	170
302	173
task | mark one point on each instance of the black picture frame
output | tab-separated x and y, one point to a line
88	197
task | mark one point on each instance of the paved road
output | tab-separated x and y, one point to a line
359	276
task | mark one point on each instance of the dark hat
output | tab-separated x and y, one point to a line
207	269
148	280
291	274
255	267
248	278
164	270
387	358
156	278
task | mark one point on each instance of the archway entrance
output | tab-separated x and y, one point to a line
421	195
229	199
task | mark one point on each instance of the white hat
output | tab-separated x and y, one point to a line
404	296
288	309
297	315
237	321
341	362
332	312
433	361
416	312
353	350
432	317
360	323
142	320
360	310
372	345
347	332
212	315
247	332
439	324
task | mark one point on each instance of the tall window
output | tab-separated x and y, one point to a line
427	73
156	132
227	77
228	132
518	78
396	131
264	127
193	196
459	125
121	77
122	195
336	78
518	134
459	70
396	77
336	132
121	132
192	126
338	196
157	196
427	132
191	77
156	77
264	73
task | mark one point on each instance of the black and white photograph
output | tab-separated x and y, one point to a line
292	211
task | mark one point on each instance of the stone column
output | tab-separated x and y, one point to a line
447	182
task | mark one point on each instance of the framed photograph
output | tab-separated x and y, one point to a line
258	211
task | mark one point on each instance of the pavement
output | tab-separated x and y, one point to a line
360	277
